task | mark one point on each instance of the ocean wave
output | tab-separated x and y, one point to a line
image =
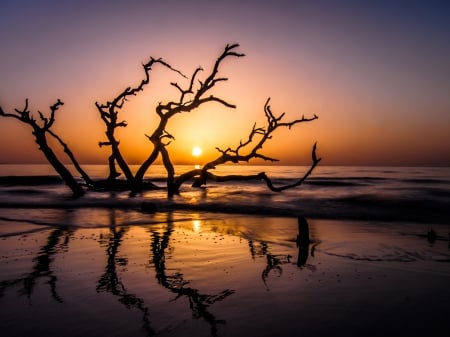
426	181
334	183
30	180
420	195
366	208
396	254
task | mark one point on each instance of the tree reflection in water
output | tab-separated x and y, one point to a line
111	282
57	241
199	303
160	245
274	262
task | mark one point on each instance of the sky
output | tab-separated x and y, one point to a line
377	73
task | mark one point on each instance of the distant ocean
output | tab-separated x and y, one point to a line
401	194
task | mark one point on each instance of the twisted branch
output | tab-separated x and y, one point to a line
258	136
196	90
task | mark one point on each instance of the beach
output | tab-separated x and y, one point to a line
228	260
225	169
213	274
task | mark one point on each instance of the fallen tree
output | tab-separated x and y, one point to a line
196	93
257	138
40	131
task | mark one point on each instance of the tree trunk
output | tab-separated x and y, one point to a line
75	163
134	187
171	191
144	167
57	165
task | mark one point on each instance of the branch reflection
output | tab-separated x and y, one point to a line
57	241
110	280
112	275
199	303
274	262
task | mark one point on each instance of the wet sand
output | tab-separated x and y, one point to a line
205	274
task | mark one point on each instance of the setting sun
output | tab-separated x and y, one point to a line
196	151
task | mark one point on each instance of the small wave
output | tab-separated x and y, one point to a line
425	181
333	183
233	208
362	178
396	255
438	192
404	258
25	232
24	191
30	180
48	223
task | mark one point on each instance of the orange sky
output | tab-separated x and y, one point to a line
377	76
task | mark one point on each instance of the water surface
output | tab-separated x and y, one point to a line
204	274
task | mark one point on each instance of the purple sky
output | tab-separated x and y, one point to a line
376	72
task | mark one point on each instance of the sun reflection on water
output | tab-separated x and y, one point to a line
196	225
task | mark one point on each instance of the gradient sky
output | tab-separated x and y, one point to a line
377	73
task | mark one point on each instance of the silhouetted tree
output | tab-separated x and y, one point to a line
40	132
109	113
195	93
190	98
256	139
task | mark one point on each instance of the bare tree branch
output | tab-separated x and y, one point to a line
75	163
197	98
191	94
315	162
109	114
258	136
39	133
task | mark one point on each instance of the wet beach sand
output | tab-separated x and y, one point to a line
102	272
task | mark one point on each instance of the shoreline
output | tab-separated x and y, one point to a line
313	209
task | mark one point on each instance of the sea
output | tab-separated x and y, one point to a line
400	194
228	259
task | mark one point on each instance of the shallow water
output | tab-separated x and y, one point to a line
205	274
99	266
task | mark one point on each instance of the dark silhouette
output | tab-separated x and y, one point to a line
431	236
40	132
257	251
57	241
303	241
195	93
276	261
199	303
235	155
110	280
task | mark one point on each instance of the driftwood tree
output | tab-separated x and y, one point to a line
255	141
40	132
192	96
195	92
109	113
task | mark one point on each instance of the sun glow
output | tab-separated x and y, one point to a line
196	225
197	151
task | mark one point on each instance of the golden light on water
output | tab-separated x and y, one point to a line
196	225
